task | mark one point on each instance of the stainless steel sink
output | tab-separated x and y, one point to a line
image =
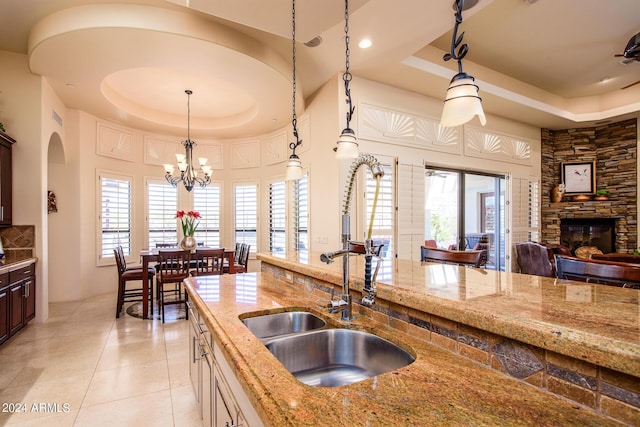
279	324
335	357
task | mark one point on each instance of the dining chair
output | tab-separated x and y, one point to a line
130	274
174	268
533	259
207	262
469	258
242	262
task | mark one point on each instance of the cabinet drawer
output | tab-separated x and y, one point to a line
21	273
4	280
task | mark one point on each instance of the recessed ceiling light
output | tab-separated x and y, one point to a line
314	42
605	79
71	85
468	4
365	43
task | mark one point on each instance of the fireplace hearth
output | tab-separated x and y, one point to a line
598	232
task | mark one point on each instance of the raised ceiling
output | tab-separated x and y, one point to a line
537	62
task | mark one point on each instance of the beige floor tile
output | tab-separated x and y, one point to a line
185	407
56	366
85	327
59	419
179	372
153	409
127	381
63	391
128	330
132	354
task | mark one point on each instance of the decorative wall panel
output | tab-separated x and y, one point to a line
395	127
490	145
245	154
160	151
212	151
276	148
114	142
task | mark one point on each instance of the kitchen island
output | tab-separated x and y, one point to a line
446	385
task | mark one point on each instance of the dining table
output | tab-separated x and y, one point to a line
151	255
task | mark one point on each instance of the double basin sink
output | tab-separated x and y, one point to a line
321	356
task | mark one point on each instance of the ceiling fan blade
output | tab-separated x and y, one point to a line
632	84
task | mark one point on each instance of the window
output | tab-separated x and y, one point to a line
207	202
246	214
277	217
300	239
114	214
162	204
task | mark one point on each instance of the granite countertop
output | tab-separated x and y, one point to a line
13	262
596	323
439	388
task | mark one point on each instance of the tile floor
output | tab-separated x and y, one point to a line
84	367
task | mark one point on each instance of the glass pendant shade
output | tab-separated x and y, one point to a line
462	103
347	145
294	168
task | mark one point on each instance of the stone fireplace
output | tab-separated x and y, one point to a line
614	149
598	232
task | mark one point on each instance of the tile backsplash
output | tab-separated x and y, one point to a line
18	240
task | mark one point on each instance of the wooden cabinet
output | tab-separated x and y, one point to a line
6	196
17	300
221	400
4	307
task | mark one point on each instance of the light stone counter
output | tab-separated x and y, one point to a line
439	388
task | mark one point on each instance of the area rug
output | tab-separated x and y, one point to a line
171	312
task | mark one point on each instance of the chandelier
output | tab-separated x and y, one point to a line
188	174
347	147
462	102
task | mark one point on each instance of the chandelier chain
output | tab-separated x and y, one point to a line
294	120
347	77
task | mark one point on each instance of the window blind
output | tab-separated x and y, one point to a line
277	217
300	207
115	215
246	214
207	202
162	205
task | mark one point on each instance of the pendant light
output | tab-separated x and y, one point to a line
294	166
347	146
462	102
188	174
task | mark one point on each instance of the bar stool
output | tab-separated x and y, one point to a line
130	274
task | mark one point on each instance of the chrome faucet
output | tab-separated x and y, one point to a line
343	304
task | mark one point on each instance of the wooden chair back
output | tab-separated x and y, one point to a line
208	262
598	271
470	258
173	265
166	245
243	260
359	248
121	262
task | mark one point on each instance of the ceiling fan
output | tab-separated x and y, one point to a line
631	53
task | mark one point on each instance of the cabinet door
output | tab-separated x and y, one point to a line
4	314
16	307
207	387
5	185
222	411
29	286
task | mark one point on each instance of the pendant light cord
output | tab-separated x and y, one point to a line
294	121
346	77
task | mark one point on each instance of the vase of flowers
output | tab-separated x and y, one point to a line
189	226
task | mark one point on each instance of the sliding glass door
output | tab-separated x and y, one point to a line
465	211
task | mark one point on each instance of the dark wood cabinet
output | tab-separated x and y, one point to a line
17	300
6	194
4	307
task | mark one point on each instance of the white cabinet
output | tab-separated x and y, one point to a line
221	400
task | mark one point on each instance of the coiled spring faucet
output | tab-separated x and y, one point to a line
343	305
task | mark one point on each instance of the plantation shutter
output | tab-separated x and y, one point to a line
277	217
384	217
300	235
246	214
162	205
115	214
206	201
410	211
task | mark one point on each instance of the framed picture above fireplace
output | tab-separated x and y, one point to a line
579	177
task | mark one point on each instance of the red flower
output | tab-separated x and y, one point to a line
180	214
194	214
189	224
